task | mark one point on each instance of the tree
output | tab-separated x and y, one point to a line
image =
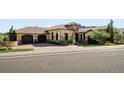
1	38
12	34
6	38
73	24
118	36
110	30
100	36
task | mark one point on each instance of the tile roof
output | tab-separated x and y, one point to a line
57	27
41	30
27	30
85	29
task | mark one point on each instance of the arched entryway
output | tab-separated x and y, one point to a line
42	39
27	39
76	37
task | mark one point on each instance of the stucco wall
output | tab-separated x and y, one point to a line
61	34
19	37
88	34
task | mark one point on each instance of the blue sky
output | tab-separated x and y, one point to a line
5	24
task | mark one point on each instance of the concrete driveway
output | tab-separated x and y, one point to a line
47	47
36	46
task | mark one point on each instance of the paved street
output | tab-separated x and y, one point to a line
88	61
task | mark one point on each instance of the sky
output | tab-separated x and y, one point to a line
5	24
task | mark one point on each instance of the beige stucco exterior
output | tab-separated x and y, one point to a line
88	34
61	34
19	37
56	33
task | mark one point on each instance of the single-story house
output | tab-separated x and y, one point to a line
71	31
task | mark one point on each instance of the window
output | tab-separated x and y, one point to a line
56	36
81	37
84	36
52	36
66	36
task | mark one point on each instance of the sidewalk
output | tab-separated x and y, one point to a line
60	49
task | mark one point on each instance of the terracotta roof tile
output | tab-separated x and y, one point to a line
27	30
41	30
85	29
57	27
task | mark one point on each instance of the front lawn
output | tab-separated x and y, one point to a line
98	45
92	45
5	50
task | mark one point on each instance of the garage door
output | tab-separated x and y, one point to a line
27	39
42	38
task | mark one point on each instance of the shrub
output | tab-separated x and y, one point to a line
81	42
118	43
3	49
9	48
1	38
6	38
119	37
108	44
71	42
100	36
53	42
63	42
92	41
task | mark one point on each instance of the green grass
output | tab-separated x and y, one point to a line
92	45
98	45
5	50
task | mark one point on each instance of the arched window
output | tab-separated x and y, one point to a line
56	36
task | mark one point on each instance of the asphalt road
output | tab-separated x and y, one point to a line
85	62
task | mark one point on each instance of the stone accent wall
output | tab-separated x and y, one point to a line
10	43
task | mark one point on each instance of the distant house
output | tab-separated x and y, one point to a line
71	31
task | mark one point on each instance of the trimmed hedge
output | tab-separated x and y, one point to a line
108	44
